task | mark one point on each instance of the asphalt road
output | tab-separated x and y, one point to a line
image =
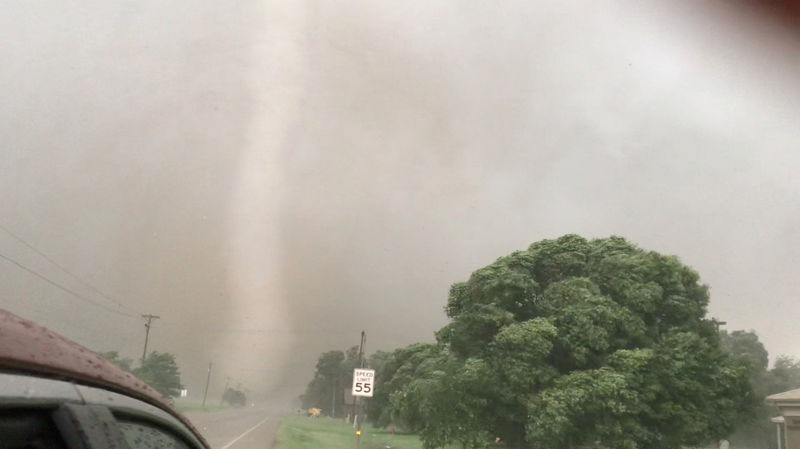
245	428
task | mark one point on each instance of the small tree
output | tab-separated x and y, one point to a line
114	357
160	371
758	432
785	375
323	390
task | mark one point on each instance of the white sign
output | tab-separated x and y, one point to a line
363	382
184	393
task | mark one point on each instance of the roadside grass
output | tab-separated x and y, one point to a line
299	432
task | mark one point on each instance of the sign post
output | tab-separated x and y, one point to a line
363	385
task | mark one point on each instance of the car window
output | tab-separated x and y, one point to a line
141	435
28	429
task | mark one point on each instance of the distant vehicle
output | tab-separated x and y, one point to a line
55	393
234	397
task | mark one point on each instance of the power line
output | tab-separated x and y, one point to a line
71	274
66	289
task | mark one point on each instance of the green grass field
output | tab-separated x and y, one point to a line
299	432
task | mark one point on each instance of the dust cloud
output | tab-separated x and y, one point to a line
273	178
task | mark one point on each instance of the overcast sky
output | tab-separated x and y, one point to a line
270	178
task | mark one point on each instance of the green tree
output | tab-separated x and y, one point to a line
352	360
325	388
576	343
756	432
746	346
161	372
784	376
114	357
394	373
378	360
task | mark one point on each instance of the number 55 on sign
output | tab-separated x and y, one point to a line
363	382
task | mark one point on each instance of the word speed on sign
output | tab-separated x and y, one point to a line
363	382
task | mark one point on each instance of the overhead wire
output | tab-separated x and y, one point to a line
62	268
64	288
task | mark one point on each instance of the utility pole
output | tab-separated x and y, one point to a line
333	399
358	403
208	380
361	348
149	319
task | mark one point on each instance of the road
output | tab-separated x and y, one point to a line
245	428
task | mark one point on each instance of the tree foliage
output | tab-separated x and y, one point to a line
161	372
746	346
396	371
334	374
571	343
758	432
784	376
116	359
323	388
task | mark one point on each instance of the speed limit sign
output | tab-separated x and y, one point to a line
363	382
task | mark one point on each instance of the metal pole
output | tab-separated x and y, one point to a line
146	337
358	403
361	349
333	398
785	443
149	318
208	380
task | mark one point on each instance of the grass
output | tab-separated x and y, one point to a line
299	432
